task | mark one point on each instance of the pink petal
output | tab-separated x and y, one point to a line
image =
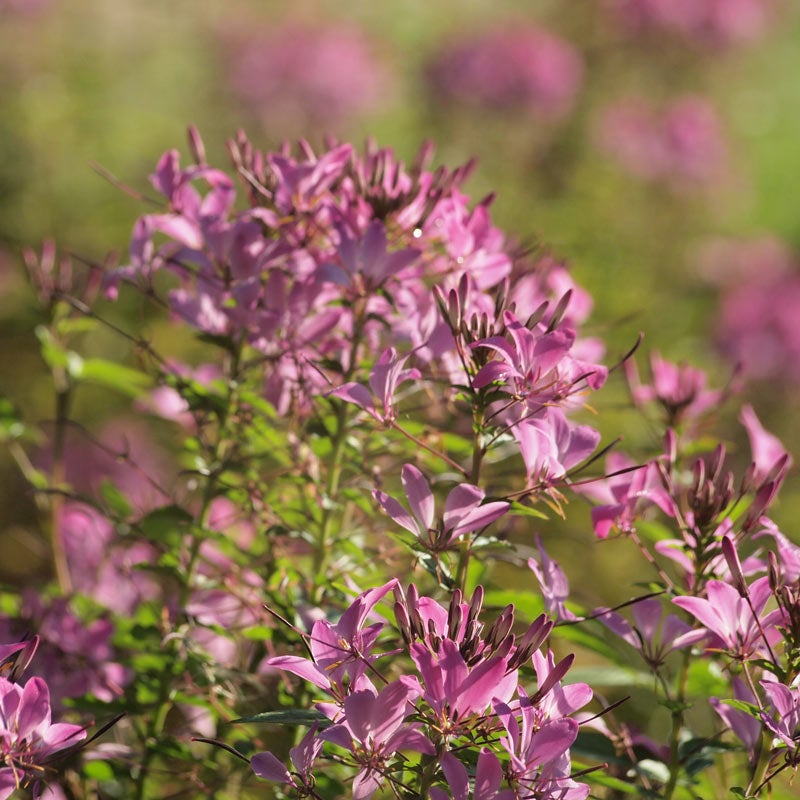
420	497
266	765
397	512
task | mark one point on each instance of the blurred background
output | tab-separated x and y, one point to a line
652	144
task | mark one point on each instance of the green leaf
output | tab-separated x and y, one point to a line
610	676
527	511
123	379
437	569
71	325
527	605
601	779
652	769
98	770
165	525
114	498
706	679
289	716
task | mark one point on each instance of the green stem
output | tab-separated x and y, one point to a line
678	709
322	550
58	476
763	759
478	452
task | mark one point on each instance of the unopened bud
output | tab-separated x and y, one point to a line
500	627
774	573
196	146
476	604
734	565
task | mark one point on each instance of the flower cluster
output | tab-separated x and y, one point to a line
463	686
385	390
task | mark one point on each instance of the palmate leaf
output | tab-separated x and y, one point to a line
289	716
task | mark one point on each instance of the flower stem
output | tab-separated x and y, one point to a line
58	476
478	452
678	708
323	544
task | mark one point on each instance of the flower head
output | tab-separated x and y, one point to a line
464	510
28	739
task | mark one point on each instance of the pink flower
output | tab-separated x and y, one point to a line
364	263
385	377
14	658
464	510
28	739
539	752
729	617
768	452
517	69
453	689
297	76
488	778
784	722
553	583
679	388
265	765
681	144
653	636
342	650
374	728
551	445
535	366
624	497
743	725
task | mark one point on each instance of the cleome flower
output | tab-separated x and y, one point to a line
28	739
464	510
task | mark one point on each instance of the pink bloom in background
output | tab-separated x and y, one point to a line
758	325
680	144
707	22
101	567
679	388
74	658
728	263
166	402
23	6
518	69
298	76
122	454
